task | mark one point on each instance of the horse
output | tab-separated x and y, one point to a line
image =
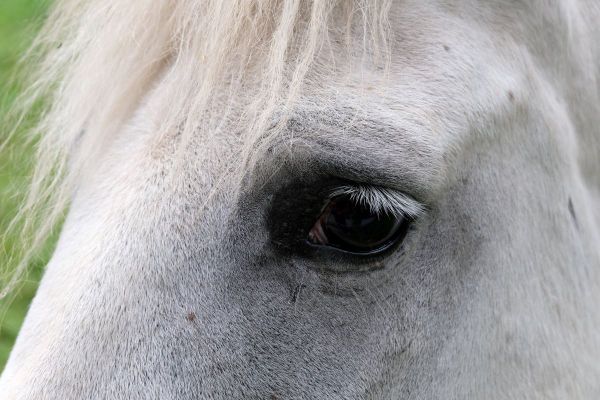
333	199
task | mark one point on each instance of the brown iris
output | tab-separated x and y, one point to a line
355	228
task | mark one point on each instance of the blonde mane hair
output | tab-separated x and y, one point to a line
95	60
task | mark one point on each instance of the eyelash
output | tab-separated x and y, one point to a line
381	200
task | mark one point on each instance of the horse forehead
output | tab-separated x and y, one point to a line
423	91
420	99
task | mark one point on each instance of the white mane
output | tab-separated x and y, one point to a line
95	60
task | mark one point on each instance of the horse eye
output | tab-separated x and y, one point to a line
355	228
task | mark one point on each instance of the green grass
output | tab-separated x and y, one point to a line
19	21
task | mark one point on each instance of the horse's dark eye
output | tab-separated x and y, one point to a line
354	228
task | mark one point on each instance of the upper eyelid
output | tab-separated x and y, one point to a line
381	200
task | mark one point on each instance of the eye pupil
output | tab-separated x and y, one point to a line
355	228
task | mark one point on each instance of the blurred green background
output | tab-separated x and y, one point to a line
19	22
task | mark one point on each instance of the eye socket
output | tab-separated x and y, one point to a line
351	227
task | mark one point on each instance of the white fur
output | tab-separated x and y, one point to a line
179	128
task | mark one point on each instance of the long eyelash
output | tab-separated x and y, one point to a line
381	200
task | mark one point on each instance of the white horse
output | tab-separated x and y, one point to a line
317	200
